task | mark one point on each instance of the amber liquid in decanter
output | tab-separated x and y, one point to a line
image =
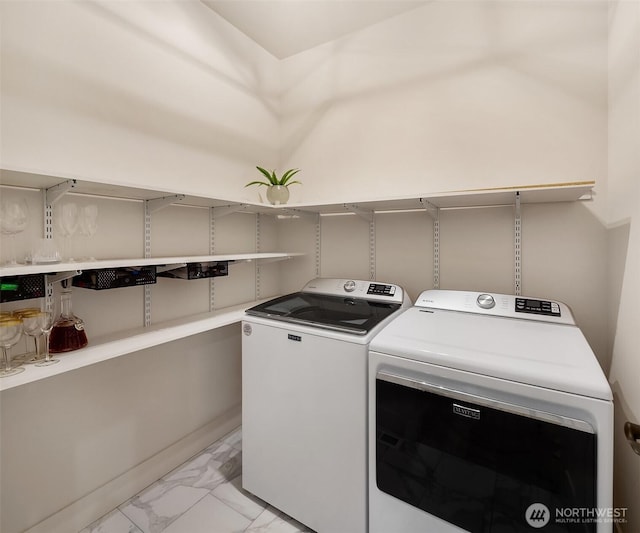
68	330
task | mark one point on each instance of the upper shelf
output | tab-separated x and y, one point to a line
261	257
544	193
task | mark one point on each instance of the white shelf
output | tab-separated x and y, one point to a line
537	193
529	194
260	257
125	342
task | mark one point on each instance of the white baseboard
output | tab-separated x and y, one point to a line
89	508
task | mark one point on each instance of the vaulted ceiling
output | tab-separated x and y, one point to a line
287	27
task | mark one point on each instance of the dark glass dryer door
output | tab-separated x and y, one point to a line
349	315
482	464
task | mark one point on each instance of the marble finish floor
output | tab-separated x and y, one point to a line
204	495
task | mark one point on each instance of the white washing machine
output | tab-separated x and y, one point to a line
304	399
488	413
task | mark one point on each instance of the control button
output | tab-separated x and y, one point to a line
486	301
350	286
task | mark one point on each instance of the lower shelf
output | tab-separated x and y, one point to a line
125	342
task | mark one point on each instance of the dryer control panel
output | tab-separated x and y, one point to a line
537	307
493	304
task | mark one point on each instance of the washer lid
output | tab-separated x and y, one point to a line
356	316
554	356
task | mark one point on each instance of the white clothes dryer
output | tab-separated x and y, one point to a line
488	413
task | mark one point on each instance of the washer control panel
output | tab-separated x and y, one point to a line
537	307
356	288
349	286
381	290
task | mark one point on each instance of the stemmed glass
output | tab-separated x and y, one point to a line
88	222
14	215
30	329
67	217
46	325
10	333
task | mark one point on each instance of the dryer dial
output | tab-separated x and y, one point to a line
486	301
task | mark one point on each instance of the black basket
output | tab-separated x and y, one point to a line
14	288
115	278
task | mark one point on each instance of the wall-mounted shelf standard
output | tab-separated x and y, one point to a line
129	341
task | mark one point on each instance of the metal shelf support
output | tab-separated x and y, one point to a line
434	213
212	247
257	265
53	194
372	248
156	204
50	197
518	248
318	249
225	210
362	213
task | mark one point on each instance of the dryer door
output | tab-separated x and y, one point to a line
482	464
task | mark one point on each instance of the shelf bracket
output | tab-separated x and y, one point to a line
223	211
61	276
53	194
518	248
298	213
357	210
156	204
49	197
434	212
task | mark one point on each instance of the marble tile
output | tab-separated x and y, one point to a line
217	464
156	507
273	521
209	515
114	522
233	439
233	495
204	494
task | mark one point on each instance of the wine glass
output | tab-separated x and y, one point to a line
88	222
14	215
10	333
46	325
67	222
30	328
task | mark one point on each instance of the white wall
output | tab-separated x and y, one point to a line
67	437
623	214
151	93
450	96
564	255
163	95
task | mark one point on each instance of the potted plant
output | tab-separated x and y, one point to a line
277	188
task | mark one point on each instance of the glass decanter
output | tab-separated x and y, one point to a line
68	330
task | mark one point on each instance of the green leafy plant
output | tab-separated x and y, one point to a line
272	178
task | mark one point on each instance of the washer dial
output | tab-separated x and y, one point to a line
350	286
